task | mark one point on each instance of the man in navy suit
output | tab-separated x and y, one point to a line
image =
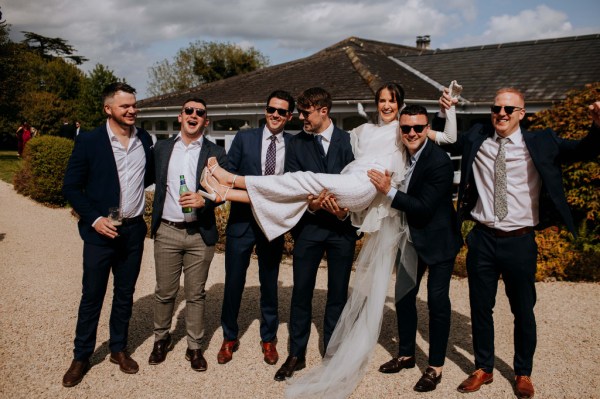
426	198
321	148
255	152
511	183
184	231
109	167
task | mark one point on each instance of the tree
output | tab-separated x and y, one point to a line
90	102
52	47
203	62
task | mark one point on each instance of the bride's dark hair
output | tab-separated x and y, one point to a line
395	89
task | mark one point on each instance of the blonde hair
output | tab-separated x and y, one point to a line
511	90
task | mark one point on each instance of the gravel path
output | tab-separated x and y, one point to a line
40	283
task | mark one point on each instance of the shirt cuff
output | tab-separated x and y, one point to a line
441	114
392	193
96	221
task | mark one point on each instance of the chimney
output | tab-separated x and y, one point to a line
423	42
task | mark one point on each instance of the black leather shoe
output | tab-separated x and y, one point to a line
291	364
428	380
397	364
197	361
159	352
75	373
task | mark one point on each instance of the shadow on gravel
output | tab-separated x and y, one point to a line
460	338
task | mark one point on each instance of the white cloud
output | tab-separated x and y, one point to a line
129	36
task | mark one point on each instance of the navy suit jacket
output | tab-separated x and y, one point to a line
428	206
302	154
206	215
547	152
91	183
244	159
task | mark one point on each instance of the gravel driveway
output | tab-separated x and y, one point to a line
40	285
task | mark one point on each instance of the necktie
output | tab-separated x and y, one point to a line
271	159
319	139
500	202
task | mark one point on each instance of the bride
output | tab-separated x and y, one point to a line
278	202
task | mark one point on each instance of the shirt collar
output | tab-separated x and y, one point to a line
113	137
327	133
415	158
267	133
197	141
515	138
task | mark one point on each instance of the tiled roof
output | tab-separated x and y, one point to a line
353	68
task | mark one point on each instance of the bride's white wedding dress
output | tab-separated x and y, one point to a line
278	203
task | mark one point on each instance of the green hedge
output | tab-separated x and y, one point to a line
44	163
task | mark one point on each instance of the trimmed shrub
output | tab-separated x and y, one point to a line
44	163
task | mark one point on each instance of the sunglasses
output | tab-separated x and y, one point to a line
190	111
280	111
417	128
306	113
509	109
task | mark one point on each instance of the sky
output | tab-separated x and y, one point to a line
130	36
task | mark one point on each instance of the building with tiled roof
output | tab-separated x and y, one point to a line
353	69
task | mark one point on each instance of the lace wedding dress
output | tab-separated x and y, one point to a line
278	203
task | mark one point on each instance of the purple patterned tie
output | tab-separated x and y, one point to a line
271	159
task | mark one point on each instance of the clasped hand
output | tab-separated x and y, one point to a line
326	201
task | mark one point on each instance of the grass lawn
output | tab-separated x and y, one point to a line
9	164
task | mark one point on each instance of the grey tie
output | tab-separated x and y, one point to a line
500	202
271	158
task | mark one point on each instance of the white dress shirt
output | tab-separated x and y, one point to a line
184	161
279	152
131	167
523	184
326	134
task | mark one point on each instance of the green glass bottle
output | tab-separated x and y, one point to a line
183	189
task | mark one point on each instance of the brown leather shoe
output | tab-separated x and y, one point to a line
159	352
475	381
125	362
397	364
428	380
75	373
291	364
226	352
524	387
197	361
270	351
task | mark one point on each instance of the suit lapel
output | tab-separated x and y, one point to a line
107	145
202	158
420	166
331	157
257	153
166	157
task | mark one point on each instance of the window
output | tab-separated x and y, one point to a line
229	124
353	121
162	126
147	125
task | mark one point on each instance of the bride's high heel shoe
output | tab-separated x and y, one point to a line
213	195
213	167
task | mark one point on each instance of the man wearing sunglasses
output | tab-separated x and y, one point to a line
321	148
183	241
255	152
425	196
511	183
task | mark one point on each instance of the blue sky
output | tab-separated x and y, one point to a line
129	36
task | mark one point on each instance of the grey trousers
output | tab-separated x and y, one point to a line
177	250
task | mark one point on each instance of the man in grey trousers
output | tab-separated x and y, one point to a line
184	239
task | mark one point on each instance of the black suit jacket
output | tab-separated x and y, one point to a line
206	215
67	131
244	159
428	206
302	154
91	183
547	152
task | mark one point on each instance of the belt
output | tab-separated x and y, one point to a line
135	219
500	233
180	225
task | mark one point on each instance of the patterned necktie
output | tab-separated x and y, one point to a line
271	159
319	139
500	202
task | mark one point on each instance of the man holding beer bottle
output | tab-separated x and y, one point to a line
184	231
